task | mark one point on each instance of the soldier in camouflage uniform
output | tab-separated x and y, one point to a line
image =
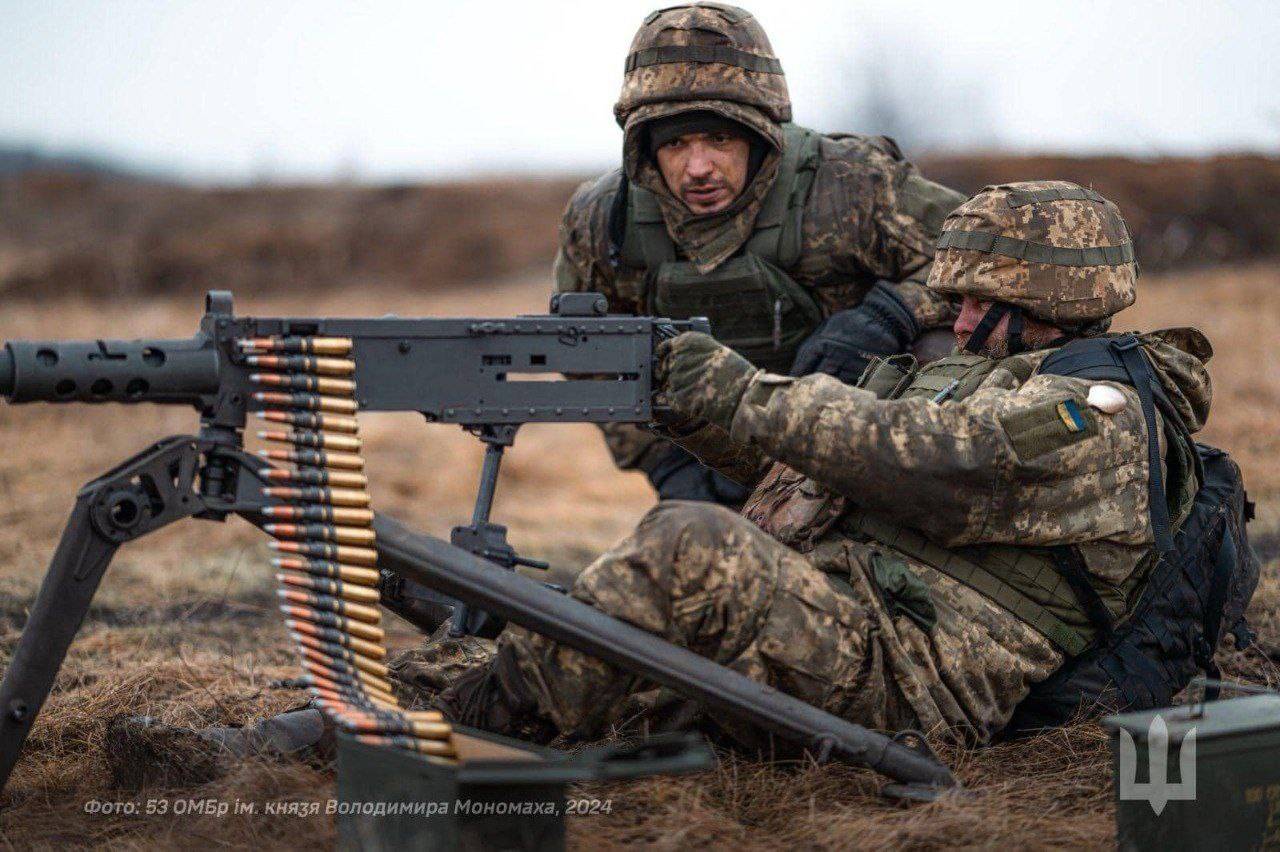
819	221
906	556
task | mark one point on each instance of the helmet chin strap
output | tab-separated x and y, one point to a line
988	324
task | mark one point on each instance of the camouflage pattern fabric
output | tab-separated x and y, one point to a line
703	25
870	215
1044	214
817	626
787	596
420	673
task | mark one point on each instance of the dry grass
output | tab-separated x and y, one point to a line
184	630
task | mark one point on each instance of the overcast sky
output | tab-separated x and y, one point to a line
233	90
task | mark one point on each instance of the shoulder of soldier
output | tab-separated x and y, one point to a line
872	171
590	205
583	259
860	151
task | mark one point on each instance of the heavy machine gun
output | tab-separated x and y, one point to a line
313	375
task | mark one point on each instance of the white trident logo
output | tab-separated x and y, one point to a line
1158	791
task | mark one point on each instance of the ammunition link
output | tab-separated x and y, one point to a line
328	580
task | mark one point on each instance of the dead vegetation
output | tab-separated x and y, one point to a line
184	628
66	232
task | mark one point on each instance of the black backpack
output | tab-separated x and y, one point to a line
1197	591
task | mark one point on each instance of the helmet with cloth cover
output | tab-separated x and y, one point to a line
702	52
1051	249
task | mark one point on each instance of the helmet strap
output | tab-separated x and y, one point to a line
1015	331
986	325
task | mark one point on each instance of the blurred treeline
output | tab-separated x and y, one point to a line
103	235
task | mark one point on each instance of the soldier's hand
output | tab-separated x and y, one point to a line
700	378
845	342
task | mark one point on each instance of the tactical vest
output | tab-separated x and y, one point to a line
754	305
1130	646
1049	588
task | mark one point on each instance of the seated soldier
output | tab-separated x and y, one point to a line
918	552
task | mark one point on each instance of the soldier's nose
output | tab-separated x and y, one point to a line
700	164
971	313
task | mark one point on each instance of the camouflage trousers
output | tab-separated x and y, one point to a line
707	579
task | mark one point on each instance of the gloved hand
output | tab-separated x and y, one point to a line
845	342
700	378
678	475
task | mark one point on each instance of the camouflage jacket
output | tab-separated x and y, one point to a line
998	467
870	216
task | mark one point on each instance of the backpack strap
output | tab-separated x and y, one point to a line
1120	359
1071	567
1207	644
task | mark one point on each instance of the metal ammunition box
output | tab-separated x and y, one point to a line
502	794
1204	776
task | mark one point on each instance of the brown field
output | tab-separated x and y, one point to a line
89	234
184	628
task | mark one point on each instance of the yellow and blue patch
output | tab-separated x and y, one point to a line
1069	411
1045	427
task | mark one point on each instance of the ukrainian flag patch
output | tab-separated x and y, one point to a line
1047	427
1069	411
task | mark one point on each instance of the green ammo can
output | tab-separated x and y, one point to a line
1203	776
502	793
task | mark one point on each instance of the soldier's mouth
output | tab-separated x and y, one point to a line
705	197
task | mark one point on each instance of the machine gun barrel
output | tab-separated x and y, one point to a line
164	371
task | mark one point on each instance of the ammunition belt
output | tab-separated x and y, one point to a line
322	531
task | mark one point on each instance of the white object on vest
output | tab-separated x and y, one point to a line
1106	399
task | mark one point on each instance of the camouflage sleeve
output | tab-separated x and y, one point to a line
582	264
1032	466
930	308
884	218
633	447
582	261
744	463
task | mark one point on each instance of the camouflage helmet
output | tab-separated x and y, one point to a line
703	52
1058	251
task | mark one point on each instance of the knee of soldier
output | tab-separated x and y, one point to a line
697	538
682	550
674	520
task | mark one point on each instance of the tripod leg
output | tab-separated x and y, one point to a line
60	606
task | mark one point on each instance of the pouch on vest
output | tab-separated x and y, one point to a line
755	307
888	377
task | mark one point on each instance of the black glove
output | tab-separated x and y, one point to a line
678	475
845	342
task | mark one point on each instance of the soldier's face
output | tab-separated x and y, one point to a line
706	171
972	309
